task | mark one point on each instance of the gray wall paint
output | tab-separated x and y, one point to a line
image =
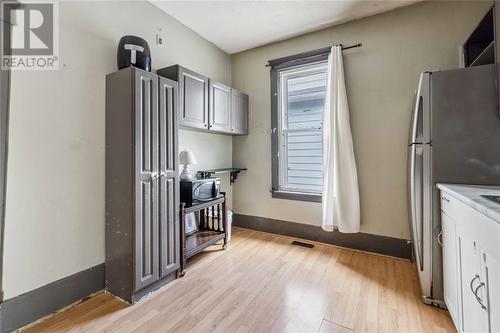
381	79
55	186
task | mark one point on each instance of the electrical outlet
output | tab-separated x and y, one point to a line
159	39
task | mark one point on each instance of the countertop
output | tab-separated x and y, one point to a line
471	196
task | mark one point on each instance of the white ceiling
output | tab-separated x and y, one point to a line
236	26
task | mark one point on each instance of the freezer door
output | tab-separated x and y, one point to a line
420	123
421	212
465	126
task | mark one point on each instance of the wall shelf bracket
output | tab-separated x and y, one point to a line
233	173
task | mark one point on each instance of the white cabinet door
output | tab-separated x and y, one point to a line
450	269
470	269
490	294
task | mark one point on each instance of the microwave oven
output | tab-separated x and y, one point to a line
199	190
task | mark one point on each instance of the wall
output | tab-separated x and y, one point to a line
381	79
55	186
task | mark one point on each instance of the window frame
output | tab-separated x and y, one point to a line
277	66
283	76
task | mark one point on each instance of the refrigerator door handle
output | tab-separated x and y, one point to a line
418	114
414	123
416	208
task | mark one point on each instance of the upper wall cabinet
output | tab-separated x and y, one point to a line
208	105
193	96
239	105
479	49
219	107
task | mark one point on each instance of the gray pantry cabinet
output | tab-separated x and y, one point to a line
142	194
208	105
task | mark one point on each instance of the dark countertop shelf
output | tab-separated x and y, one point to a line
233	173
223	170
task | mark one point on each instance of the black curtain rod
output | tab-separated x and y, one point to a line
315	53
351	47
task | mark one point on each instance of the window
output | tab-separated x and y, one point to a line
298	108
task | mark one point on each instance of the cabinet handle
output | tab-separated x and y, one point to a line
163	174
445	199
440	238
154	175
479	298
472	283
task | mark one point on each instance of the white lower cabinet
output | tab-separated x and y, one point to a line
472	320
471	267
490	269
450	268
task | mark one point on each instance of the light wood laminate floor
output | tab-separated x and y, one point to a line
261	283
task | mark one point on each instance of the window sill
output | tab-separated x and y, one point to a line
310	197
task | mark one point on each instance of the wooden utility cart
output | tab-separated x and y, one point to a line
207	233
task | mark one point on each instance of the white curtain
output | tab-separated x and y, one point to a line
340	184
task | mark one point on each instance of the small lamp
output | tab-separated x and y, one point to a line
186	157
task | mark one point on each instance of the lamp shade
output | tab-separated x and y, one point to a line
187	157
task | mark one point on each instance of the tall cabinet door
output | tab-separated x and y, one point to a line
146	179
450	268
490	295
168	166
239	108
193	99
219	107
473	316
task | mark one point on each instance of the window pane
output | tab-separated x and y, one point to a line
306	101
302	119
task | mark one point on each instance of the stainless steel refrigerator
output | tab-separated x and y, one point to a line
454	138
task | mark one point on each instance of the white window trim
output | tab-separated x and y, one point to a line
283	76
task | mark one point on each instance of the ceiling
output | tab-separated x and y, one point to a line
236	26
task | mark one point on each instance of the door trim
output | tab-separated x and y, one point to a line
4	145
4	138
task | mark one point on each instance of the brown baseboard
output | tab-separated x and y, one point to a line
390	246
33	305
